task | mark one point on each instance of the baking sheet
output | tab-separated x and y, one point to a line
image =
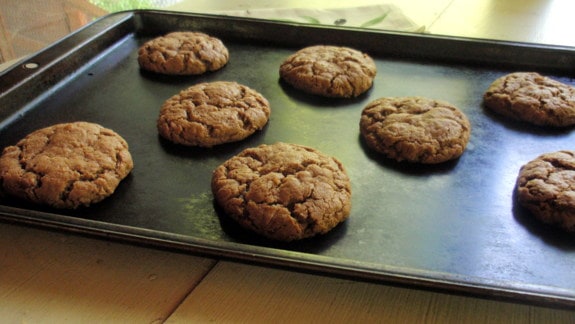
453	226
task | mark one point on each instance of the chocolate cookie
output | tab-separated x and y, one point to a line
329	71
283	191
415	129
209	114
183	53
533	98
546	187
65	165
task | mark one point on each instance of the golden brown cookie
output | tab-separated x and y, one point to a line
533	98
213	113
65	165
329	71
283	191
546	187
183	53
415	129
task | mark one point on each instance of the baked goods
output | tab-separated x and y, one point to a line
283	191
546	187
213	113
415	129
65	165
183	53
329	71
533	98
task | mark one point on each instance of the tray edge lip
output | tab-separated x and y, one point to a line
295	260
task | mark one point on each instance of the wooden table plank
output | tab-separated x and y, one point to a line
240	293
48	277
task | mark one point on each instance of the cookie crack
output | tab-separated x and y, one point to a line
559	166
206	63
65	194
246	120
186	59
165	57
39	184
21	160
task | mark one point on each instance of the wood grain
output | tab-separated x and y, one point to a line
50	276
240	293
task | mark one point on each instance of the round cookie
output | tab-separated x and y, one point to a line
533	98
213	113
415	129
283	191
65	165
183	53
546	187
329	71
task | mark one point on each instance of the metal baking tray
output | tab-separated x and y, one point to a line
452	227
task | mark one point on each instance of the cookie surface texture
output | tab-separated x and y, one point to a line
329	71
533	98
282	191
415	129
65	165
546	187
208	114
183	53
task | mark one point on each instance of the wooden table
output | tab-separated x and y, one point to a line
55	277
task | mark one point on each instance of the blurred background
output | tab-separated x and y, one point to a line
27	26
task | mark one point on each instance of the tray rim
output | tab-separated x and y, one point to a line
294	261
81	41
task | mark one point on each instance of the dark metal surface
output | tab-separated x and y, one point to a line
453	226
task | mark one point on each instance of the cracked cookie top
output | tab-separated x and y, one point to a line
415	129
183	53
329	71
65	165
533	98
283	191
546	187
212	113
